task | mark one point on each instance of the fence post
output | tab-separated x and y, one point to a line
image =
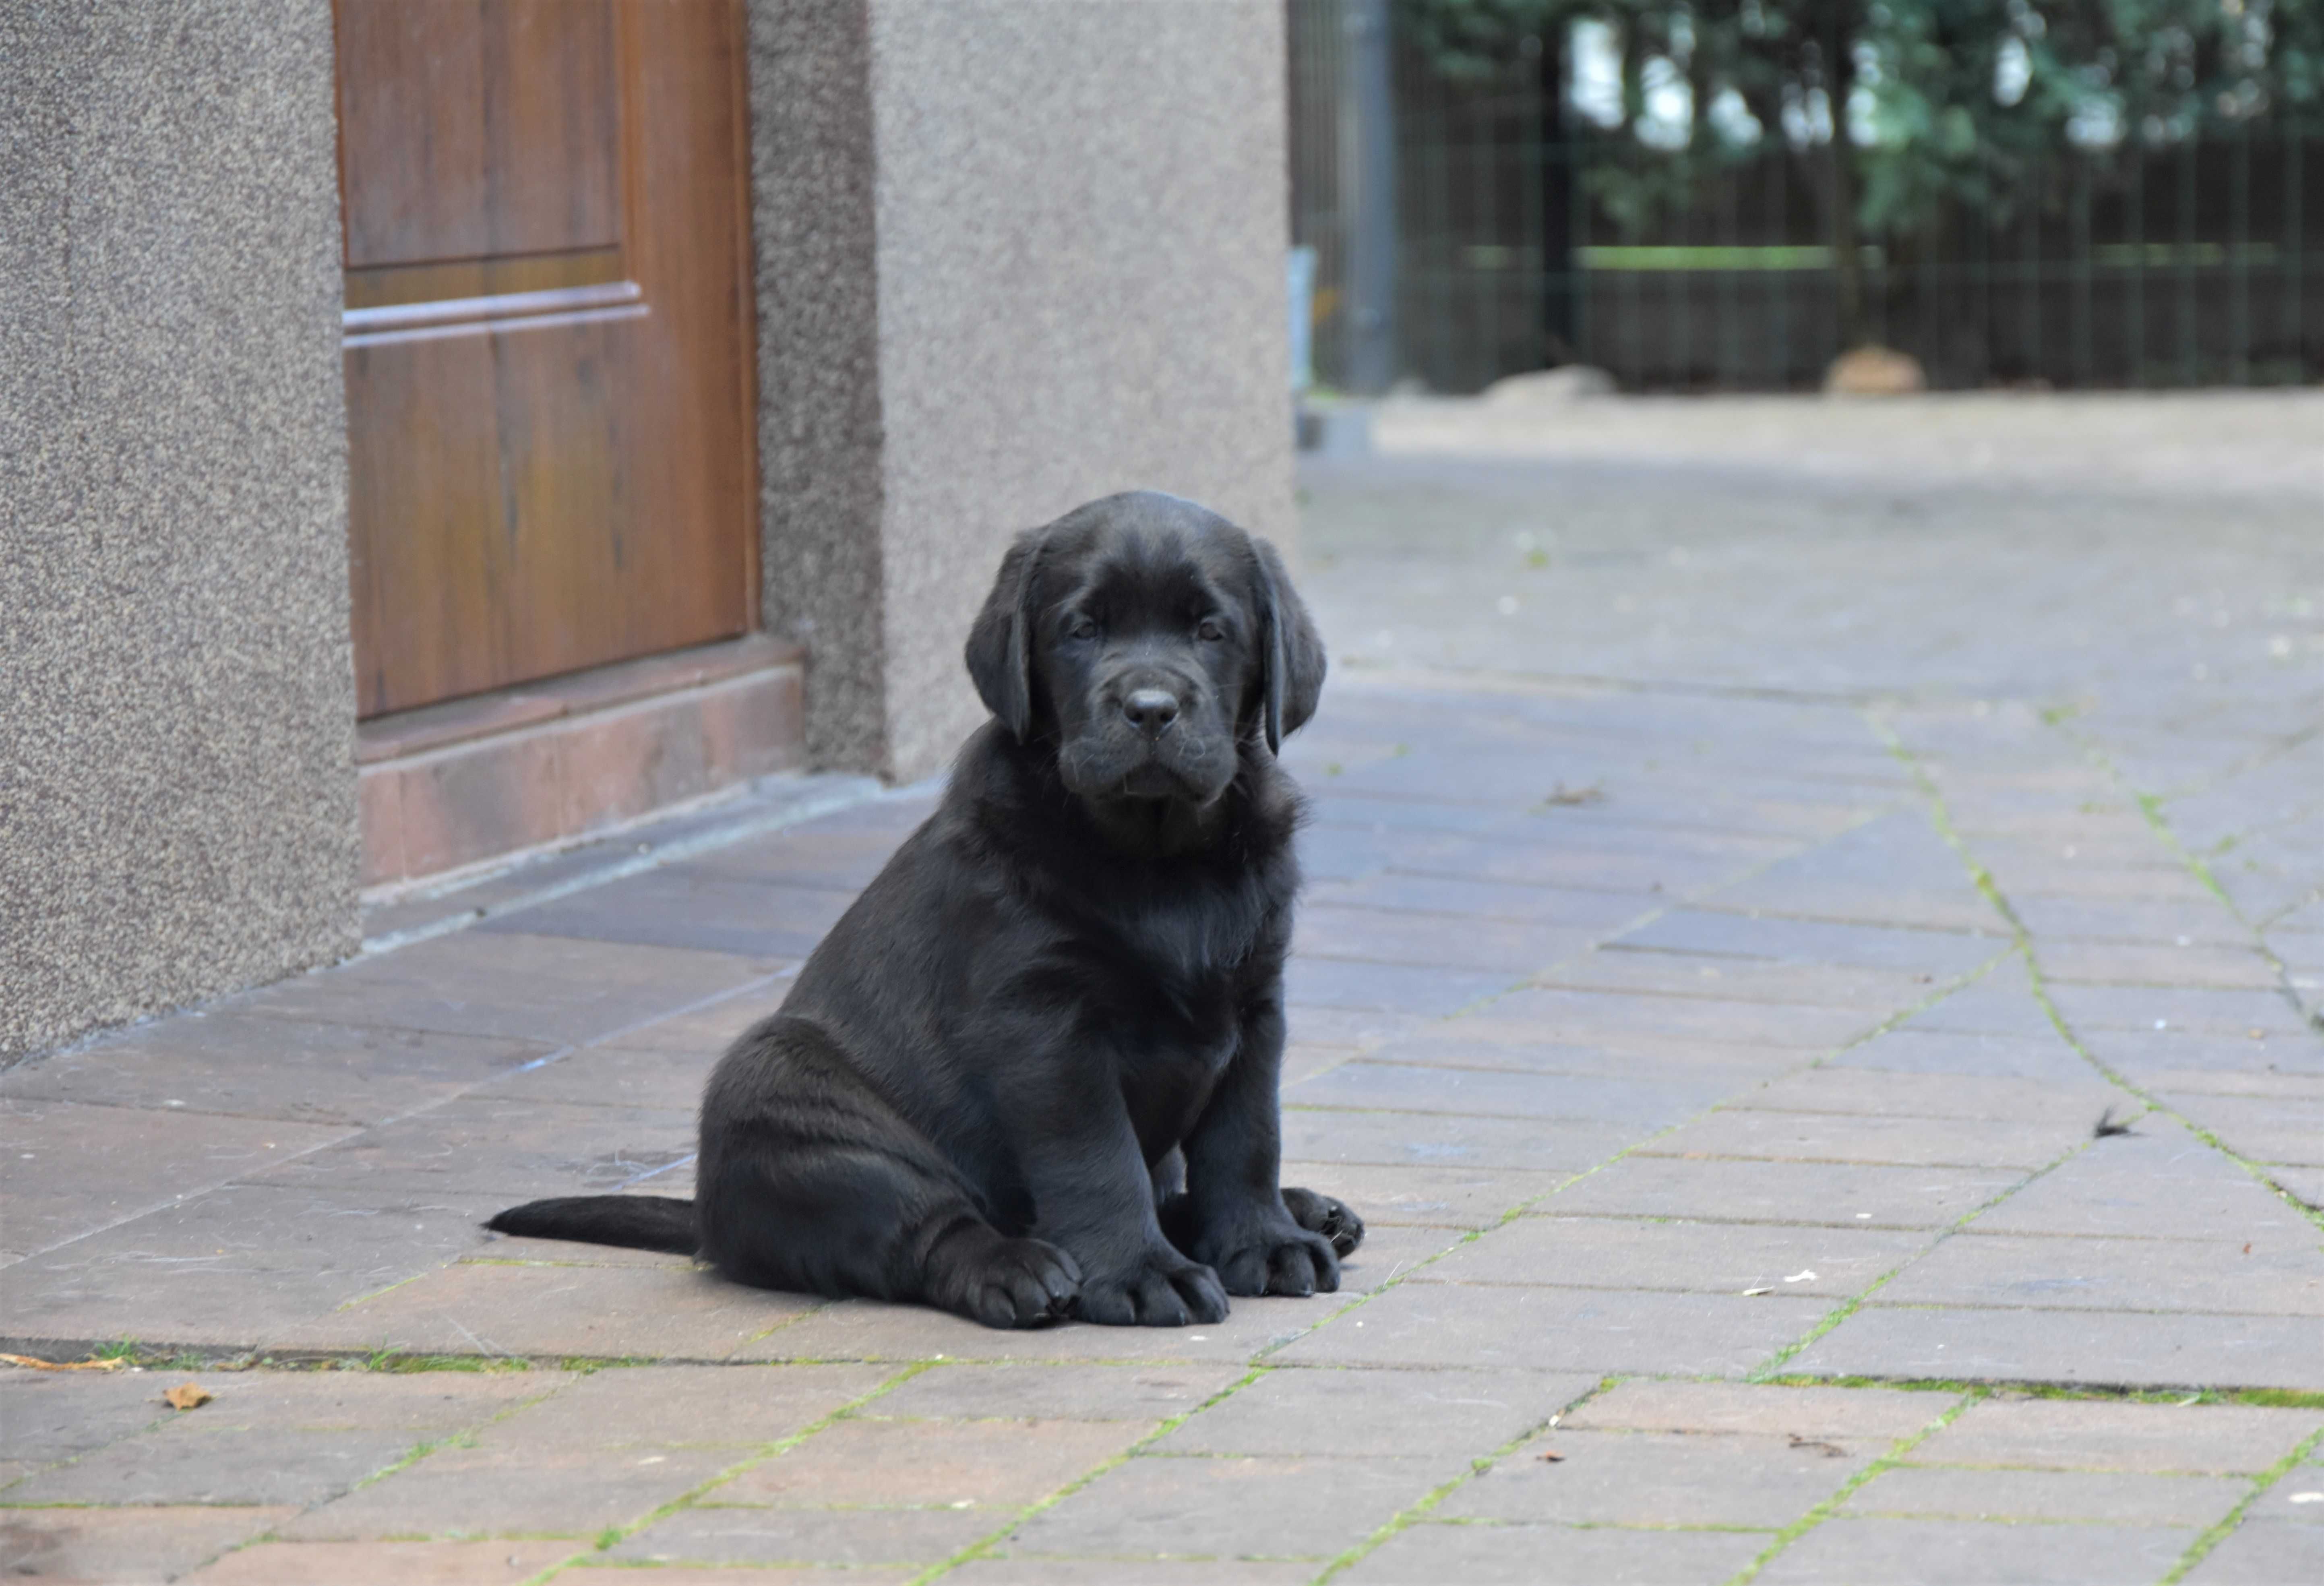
1372	234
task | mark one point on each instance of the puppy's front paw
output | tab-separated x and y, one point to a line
1335	1220
1006	1282
1271	1255
1160	1288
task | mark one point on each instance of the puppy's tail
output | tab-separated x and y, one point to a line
637	1222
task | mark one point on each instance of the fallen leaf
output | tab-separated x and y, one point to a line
187	1396
38	1364
1801	1278
1831	1451
2246	1249
1550	1456
1764	1288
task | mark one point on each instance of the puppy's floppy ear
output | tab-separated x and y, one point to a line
1001	642
1290	650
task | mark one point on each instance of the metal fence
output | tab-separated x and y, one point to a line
2196	263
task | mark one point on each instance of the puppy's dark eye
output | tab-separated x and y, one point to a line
1209	629
1080	628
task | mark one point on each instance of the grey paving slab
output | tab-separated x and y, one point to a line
1393	1138
273	1562
1947	1551
2281	1275
856	1538
2108	1497
2100	1348
1366	1085
188	1462
1561	1330
696	908
2278	1128
2069	1435
2157	1181
1746	935
2189	1007
1231	1506
1621	967
2261	1551
56	1416
1391	988
1843	1194
501	1142
127	1545
68	1170
1563	907
1440	1197
1657	1479
1762	1133
227	1061
556	990
1857	1418
2043	1058
1912	1093
1040	1392
1999	1003
1522	1555
1393	936
1075	1572
1580	1016
1709	1257
996	1467
1306	1411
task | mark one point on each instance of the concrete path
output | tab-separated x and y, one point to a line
1809	970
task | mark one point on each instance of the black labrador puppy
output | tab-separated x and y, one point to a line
1032	1071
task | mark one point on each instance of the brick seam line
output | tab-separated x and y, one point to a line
464	1438
2040	984
1414	1512
983	1545
2217	1532
613	1536
1824	1511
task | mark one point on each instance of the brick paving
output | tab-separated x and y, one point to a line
1748	864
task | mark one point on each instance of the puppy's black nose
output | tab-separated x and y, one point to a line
1150	710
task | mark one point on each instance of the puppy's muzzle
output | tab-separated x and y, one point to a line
1152	710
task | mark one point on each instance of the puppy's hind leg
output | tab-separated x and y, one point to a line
810	1181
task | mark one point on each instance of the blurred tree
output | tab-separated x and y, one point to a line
1913	108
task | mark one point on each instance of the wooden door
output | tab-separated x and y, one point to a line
548	336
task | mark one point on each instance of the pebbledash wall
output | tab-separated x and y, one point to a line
1011	254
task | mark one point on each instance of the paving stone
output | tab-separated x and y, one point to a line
1393	936
1306	1060
2064	919
61	1415
227	1062
1622	967
2116	963
1999	1003
1349	1027
2045	1059
1823	1137
2272	1128
1524	1555
2151	1055
1873	1090
1784	1192
2099	1008
600	1313
709	1029
1943	1553
1658	1479
1583	1016
135	1544
2277	1275
693	906
1392	987
646	1081
490	1141
1393	1138
1119	1572
2112	1497
1598	913
232	1267
2091	1434
2104	1348
1376	1412
655	1406
1559	1330
385	1564
1366	1085
1143	1394
2262	1552
2157	1181
869	1330
1806	941
1860	1418
68	1170
986	1465
188	1462
556	990
1231	1506
1444	1198
853	1537
813	854
1712	1257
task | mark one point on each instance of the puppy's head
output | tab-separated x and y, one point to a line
1142	639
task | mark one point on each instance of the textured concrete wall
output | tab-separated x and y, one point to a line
1078	229
177	796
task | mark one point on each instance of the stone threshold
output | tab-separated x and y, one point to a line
451	786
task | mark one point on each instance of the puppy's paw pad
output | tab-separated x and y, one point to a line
1332	1218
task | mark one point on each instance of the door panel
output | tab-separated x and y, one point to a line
548	336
